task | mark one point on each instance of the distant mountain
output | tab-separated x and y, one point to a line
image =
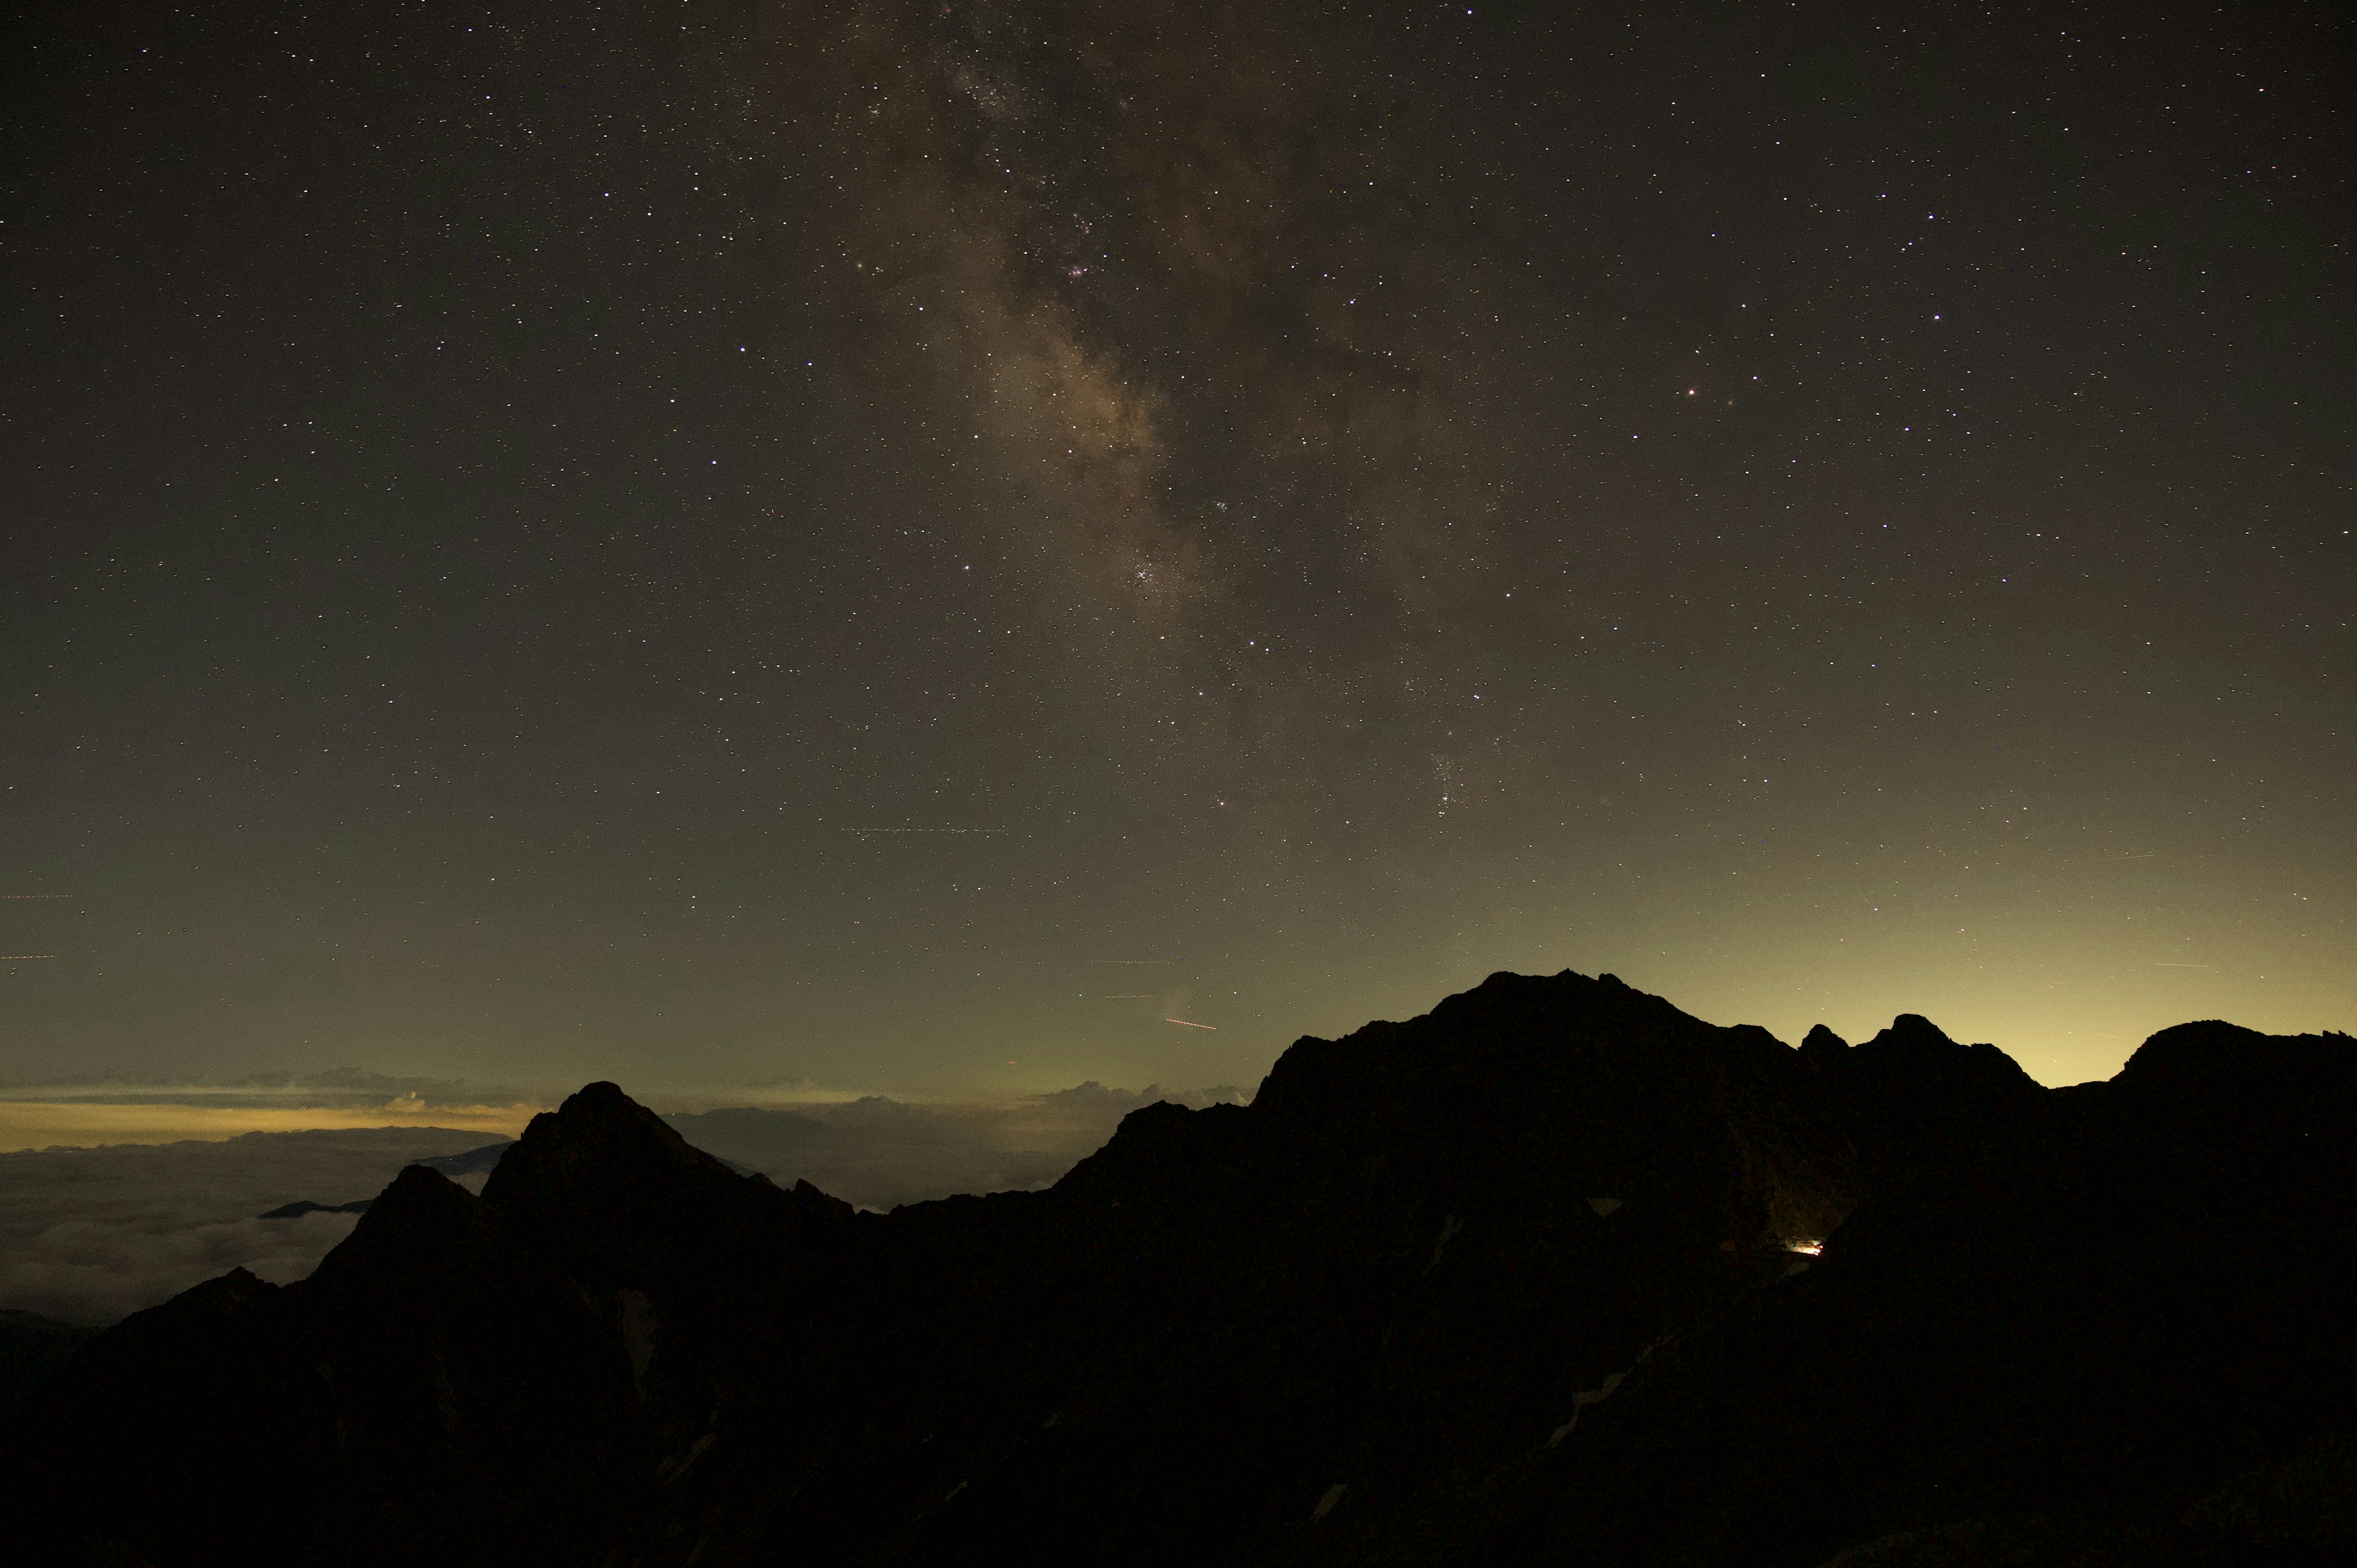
470	1162
474	1161
1556	1272
302	1207
879	1152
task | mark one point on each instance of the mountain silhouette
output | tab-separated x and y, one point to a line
1553	1272
302	1207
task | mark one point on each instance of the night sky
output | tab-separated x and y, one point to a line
902	547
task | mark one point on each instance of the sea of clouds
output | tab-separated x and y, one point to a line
88	1235
878	1153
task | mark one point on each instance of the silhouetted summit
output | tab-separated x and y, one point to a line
601	1144
1911	1102
1553	1272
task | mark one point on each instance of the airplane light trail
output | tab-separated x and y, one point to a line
1184	1025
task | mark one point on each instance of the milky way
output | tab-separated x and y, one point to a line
723	543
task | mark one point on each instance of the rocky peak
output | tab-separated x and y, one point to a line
1912	1101
1914	1041
2216	1095
1505	1036
421	1225
1912	1031
616	1197
2212	1056
598	1140
1821	1049
205	1308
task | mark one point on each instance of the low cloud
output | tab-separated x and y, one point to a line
879	1152
29	1124
88	1235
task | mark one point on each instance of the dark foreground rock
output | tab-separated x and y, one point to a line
32	1350
1531	1279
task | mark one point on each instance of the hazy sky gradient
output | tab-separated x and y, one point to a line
902	547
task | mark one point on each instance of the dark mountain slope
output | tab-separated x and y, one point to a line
2154	1293
1388	1263
1913	1102
425	1392
1508	1283
32	1349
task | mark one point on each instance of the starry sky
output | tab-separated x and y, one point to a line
950	549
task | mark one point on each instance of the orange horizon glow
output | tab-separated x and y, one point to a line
43	1125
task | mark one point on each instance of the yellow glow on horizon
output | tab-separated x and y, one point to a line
40	1124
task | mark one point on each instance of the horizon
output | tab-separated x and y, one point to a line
180	1185
146	1109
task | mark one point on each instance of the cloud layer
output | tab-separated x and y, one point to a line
878	1153
88	1235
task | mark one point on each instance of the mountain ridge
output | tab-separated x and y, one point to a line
1443	1288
